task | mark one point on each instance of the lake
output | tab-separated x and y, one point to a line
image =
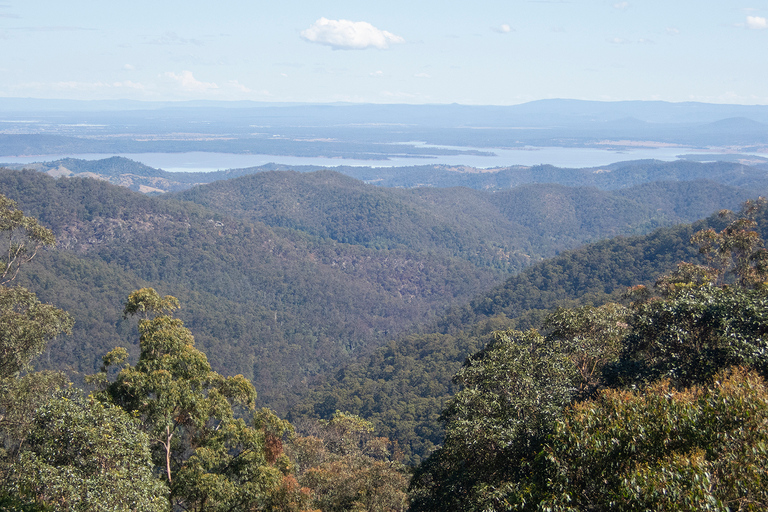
557	156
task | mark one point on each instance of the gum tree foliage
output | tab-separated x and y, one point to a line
210	459
737	250
347	468
694	333
659	448
534	427
698	326
591	337
26	326
512	391
82	455
22	238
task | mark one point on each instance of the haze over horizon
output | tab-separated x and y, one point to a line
484	53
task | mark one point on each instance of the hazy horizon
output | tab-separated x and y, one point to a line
486	53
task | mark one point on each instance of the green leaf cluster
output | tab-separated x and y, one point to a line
657	406
82	455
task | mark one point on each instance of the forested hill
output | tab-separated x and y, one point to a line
506	230
404	385
739	171
341	269
272	304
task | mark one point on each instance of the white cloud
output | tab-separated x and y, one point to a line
237	85
757	22
128	67
503	29
621	5
423	75
189	83
377	73
349	35
618	40
672	31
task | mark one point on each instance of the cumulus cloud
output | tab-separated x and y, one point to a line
757	22
234	84
621	5
423	75
349	35
502	29
672	31
188	82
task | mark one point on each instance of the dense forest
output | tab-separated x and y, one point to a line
421	362
285	276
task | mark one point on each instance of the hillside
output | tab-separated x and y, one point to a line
285	277
739	171
272	304
507	230
403	386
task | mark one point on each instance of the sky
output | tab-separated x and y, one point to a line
482	52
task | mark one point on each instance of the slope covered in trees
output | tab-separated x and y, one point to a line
286	276
658	404
345	267
738	171
275	305
404	384
507	230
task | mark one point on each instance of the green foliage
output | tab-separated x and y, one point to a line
147	302
230	470
209	459
695	333
20	397
591	337
22	237
347	468
81	455
738	248
403	386
513	443
26	327
512	392
702	448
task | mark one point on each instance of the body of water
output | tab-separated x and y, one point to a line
557	156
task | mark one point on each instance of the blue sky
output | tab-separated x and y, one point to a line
417	51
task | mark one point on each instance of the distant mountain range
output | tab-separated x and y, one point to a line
141	178
47	127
